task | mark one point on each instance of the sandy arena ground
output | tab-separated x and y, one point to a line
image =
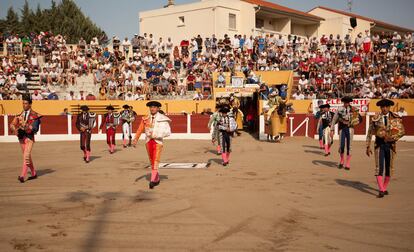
272	197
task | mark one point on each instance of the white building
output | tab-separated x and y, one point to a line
252	17
338	22
219	17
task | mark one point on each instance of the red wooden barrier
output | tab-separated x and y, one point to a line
1	125
136	123
360	129
10	120
178	124
199	123
58	125
408	122
54	125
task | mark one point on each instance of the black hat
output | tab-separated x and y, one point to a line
224	109
324	106
346	99
125	106
110	107
84	108
153	104
385	103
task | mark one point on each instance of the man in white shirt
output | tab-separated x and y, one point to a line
138	83
249	45
34	62
112	83
148	59
129	96
401	112
126	44
236	43
194	47
198	96
138	96
21	79
129	83
280	42
70	96
303	83
36	96
81	96
298	95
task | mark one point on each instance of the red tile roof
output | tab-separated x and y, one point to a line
282	8
378	22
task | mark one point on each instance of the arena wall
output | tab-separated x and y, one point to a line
172	106
305	106
305	125
56	107
63	128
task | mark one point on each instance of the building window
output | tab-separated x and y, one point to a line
232	21
259	23
181	21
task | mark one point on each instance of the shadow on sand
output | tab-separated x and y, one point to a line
325	163
98	224
215	160
311	146
148	177
92	158
357	185
315	152
212	152
44	172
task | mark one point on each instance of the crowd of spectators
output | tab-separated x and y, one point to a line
371	65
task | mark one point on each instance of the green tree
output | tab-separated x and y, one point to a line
11	24
65	18
27	19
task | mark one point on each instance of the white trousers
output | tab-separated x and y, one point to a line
126	130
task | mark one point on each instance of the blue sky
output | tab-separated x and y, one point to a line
120	17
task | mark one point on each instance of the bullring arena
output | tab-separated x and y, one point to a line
230	127
272	197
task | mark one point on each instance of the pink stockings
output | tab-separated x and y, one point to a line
327	149
86	155
154	151
383	186
26	145
226	157
348	160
